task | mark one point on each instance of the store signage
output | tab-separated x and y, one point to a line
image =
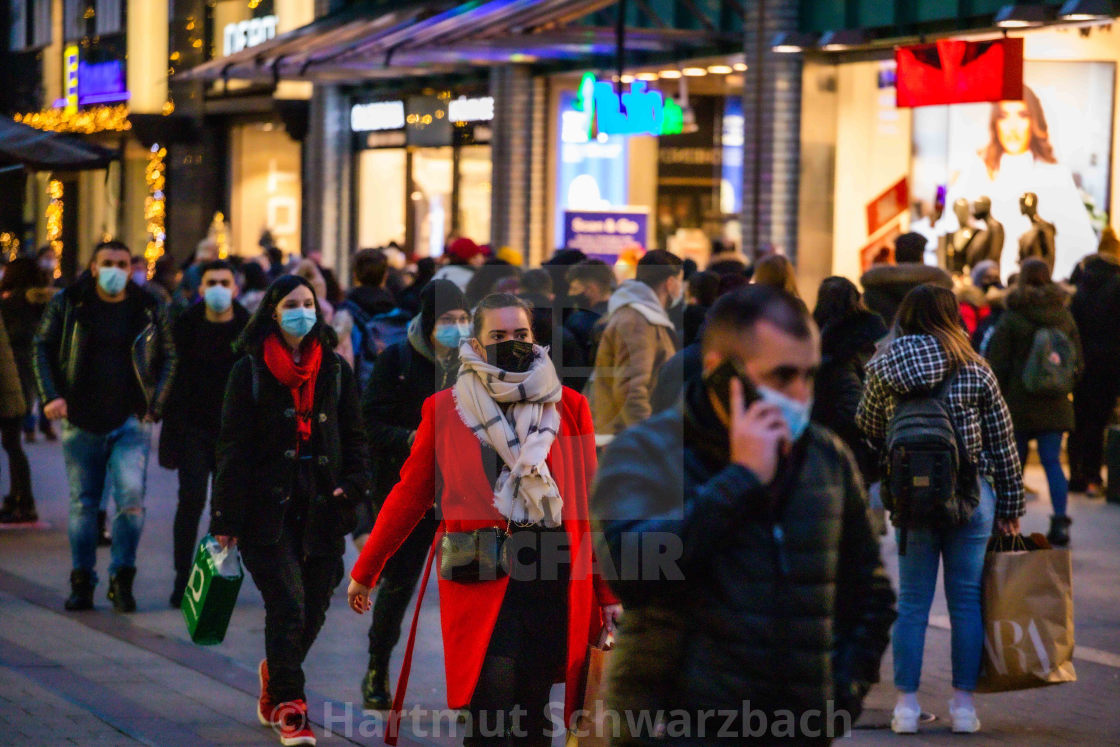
381	115
70	66
603	234
894	201
637	112
463	109
248	33
953	71
101	82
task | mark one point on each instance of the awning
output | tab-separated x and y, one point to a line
40	150
363	43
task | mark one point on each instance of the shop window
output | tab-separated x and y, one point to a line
432	175
473	215
110	17
265	188
75	23
381	197
40	23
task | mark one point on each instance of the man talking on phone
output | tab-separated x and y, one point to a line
759	608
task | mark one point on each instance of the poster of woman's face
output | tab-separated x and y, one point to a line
1056	142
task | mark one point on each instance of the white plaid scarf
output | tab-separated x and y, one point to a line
525	491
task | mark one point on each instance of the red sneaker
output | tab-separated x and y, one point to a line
292	724
265	706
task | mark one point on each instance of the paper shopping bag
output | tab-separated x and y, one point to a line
211	592
590	729
1028	620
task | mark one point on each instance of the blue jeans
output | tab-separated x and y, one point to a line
962	551
122	455
1050	454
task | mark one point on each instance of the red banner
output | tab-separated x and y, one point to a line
952	71
887	206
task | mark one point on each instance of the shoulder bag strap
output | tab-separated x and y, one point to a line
393	727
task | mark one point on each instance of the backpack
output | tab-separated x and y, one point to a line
929	481
371	334
1051	366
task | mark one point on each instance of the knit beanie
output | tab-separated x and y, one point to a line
436	299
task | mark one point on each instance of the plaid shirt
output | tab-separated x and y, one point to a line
917	362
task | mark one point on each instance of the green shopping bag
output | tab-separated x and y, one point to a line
211	591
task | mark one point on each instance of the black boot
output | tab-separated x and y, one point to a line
120	590
1059	530
177	591
18	510
104	539
375	689
81	591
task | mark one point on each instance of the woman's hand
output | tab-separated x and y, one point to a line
1008	527
226	541
358	597
612	614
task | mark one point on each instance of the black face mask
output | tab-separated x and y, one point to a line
515	356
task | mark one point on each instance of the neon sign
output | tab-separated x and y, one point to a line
639	112
248	33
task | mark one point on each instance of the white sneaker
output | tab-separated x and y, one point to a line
905	720
965	720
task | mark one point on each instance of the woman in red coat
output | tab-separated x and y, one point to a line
506	448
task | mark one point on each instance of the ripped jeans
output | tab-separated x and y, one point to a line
122	455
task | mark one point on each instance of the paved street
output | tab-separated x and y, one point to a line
101	678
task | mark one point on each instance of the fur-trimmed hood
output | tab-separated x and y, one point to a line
1040	304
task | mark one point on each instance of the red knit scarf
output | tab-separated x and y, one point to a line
299	377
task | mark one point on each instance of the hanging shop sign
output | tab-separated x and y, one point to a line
248	33
603	234
463	109
953	71
380	115
640	111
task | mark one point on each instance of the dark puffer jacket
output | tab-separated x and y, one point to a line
885	286
1028	310
257	457
404	375
1096	309
847	344
783	602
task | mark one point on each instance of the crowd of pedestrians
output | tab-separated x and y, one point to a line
527	431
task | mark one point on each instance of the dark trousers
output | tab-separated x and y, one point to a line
394	591
297	591
17	458
526	655
1093	401
196	466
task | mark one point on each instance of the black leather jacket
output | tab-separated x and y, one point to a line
64	330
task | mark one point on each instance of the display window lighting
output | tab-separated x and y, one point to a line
1023	16
1086	10
647	77
719	69
670	74
695	72
843	39
792	42
739	67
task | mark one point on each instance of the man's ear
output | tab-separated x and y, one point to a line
711	361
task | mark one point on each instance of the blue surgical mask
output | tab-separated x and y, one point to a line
112	280
796	413
297	322
450	335
218	298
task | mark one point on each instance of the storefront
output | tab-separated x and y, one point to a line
667	161
259	148
422	170
900	169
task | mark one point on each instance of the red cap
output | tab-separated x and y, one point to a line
464	249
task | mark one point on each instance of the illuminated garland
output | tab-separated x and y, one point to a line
85	121
9	245
219	231
155	206
54	221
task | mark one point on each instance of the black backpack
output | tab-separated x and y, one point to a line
929	481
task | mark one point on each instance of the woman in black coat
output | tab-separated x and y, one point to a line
849	332
1034	303
292	461
24	294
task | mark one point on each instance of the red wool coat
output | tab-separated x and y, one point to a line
469	611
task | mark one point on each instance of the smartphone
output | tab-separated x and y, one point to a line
719	381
